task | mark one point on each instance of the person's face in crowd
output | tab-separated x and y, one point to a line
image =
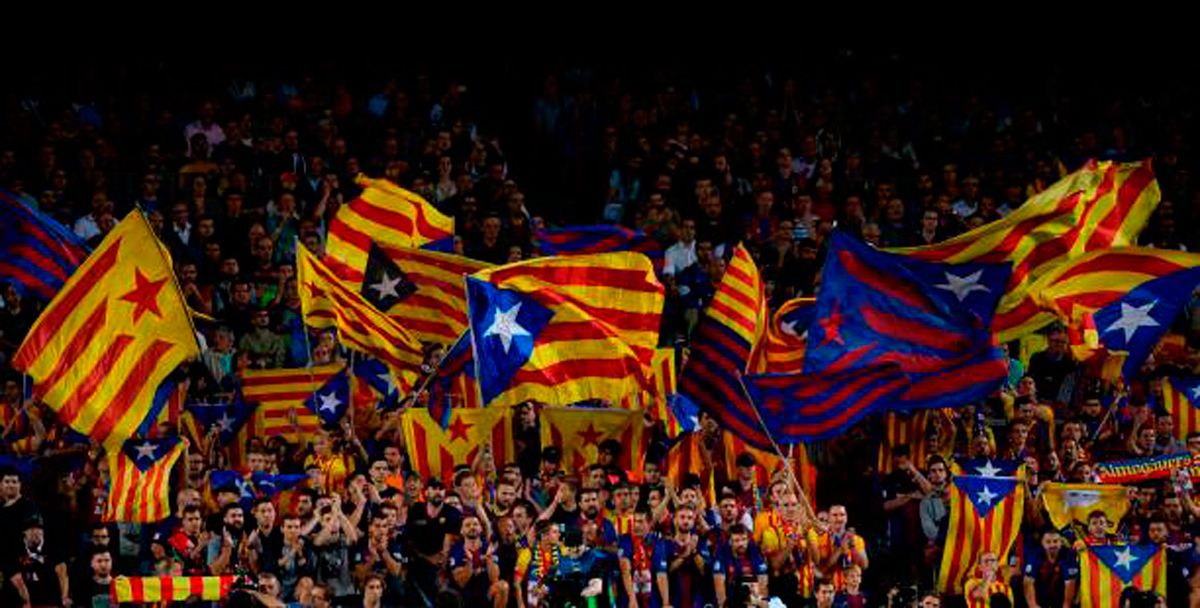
394	457
268	585
1146	438
471	528
291	529
305	506
380	528
378	471
515	254
1057	341
506	494
1072	430
652	473
623	498
491	228
435	495
641	524
1164	426
1091	408
10	487
100	536
264	248
179	214
1193	444
329	520
286	205
102	565
262	319
837	518
1098	526
716	268
234	520
595	477
937	473
929	221
931	601
241	294
106	222
469	488
895	211
685	520
319	597
34	536
589	504
206	228
728	508
739	543
1158	532
522	518
1026	412
825	594
1018	434
1173	509
12	391
454	500
712	207
257	461
654	498
264	514
764	202
212	253
191	523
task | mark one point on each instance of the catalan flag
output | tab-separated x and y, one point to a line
787	336
987	467
454	381
110	338
579	432
1100	206
565	330
770	464
809	407
598	238
1068	503
139	488
985	517
904	429
36	251
148	589
659	401
228	417
280	395
331	400
376	376
166	411
1181	399
386	214
435	452
723	348
1106	571
327	302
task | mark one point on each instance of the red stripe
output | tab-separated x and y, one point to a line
849	410
1131	188
75	347
1006	246
1094	300
448	263
126	396
914	331
635	280
736	316
304	376
962	537
881	282
1114	261
578	370
420	449
445	466
454	311
1059	246
196	585
349	235
66	304
36	284
46	264
426	327
388	219
70	408
343	270
1096	570
929	388
366	316
137	591
500	442
1006	320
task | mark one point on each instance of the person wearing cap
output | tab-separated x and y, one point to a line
36	571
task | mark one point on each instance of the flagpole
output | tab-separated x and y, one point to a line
294	419
787	465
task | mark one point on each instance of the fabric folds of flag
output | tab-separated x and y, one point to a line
659	402
809	407
387	214
228	417
147	589
724	347
453	383
985	517
1068	503
112	335
280	395
376	376
140	474
565	330
580	431
1102	205
599	238
331	400
434	451
328	302
931	319
904	429
787	336
1105	572
1181	399
36	251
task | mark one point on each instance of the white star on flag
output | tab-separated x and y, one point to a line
962	287
386	287
1196	393
146	450
1133	318
505	325
225	422
1124	558
986	496
329	402
987	470
386	379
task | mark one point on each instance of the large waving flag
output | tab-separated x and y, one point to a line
280	395
931	319
386	214
724	347
430	300
599	238
140	479
985	517
1106	571
1181	399
579	432
1068	503
36	251
327	302
434	452
808	407
1100	206
565	330
110	338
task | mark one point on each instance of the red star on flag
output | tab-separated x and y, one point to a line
144	296
458	429
590	435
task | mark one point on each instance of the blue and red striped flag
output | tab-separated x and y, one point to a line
599	238
35	251
808	407
932	319
722	348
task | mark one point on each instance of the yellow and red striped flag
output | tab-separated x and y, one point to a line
787	336
770	465
145	589
1106	571
1181	399
280	395
327	302
434	451
658	401
564	330
904	429
578	431
386	214
109	339
985	517
139	488
1100	206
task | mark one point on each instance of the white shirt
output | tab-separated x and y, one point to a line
86	227
679	256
